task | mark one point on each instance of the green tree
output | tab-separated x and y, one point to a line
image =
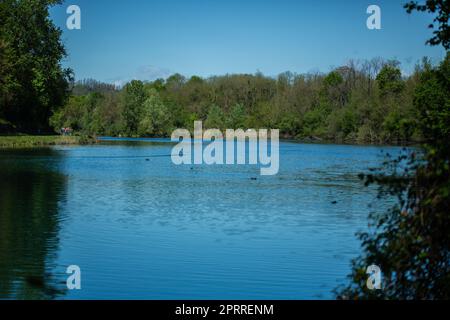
334	89
237	117
155	120
70	115
342	124
333	79
34	84
314	122
390	80
134	96
215	118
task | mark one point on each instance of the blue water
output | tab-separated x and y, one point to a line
140	227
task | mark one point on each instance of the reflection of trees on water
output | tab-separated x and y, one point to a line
29	227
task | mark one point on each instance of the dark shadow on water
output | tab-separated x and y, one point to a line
30	194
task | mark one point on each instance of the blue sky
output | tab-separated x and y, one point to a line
121	40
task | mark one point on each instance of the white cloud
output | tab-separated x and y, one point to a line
143	73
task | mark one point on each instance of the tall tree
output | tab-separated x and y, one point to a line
390	80
34	84
134	97
155	119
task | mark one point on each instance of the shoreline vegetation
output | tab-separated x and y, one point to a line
35	141
361	102
39	141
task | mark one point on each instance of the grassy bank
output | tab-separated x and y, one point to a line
42	141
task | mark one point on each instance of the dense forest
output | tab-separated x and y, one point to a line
362	101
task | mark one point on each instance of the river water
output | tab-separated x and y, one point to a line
140	227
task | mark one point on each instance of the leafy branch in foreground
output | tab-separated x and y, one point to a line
442	8
411	241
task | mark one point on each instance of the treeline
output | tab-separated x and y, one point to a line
363	102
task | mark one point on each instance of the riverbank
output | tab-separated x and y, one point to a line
27	141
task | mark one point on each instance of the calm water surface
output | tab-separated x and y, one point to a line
140	227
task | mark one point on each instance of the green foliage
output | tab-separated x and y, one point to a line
215	118
155	118
41	141
433	104
332	107
398	126
343	124
442	9
134	96
411	242
313	122
237	117
365	134
290	125
33	83
333	79
390	80
71	115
